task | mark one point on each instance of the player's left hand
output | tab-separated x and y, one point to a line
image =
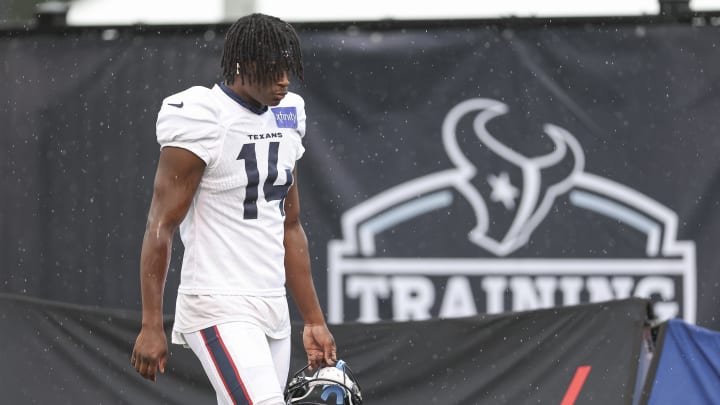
319	345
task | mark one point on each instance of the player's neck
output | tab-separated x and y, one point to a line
240	91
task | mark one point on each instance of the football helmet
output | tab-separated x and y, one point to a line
332	385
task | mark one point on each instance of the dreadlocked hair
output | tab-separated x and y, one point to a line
260	48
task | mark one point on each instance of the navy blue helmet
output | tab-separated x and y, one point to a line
325	386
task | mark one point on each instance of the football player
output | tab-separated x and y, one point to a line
227	178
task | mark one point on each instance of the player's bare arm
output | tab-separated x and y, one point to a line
176	180
317	339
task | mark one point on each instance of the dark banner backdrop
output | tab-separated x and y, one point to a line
452	169
66	354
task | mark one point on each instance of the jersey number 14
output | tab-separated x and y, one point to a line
271	191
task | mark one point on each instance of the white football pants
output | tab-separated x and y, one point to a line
244	365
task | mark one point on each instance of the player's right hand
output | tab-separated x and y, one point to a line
150	352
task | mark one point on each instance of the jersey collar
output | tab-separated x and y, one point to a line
242	101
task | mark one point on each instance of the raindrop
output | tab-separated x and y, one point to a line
110	34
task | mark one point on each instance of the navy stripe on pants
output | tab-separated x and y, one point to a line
225	366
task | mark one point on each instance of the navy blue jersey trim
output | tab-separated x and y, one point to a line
242	101
225	366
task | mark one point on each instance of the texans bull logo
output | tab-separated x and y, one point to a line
399	245
521	189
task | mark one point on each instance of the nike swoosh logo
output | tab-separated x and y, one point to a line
178	105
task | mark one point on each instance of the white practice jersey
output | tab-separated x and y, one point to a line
233	232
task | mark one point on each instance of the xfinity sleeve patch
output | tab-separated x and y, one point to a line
285	117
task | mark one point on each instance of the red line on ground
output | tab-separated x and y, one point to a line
576	385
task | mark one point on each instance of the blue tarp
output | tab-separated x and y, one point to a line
688	369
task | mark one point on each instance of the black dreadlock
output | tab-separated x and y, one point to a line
261	47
